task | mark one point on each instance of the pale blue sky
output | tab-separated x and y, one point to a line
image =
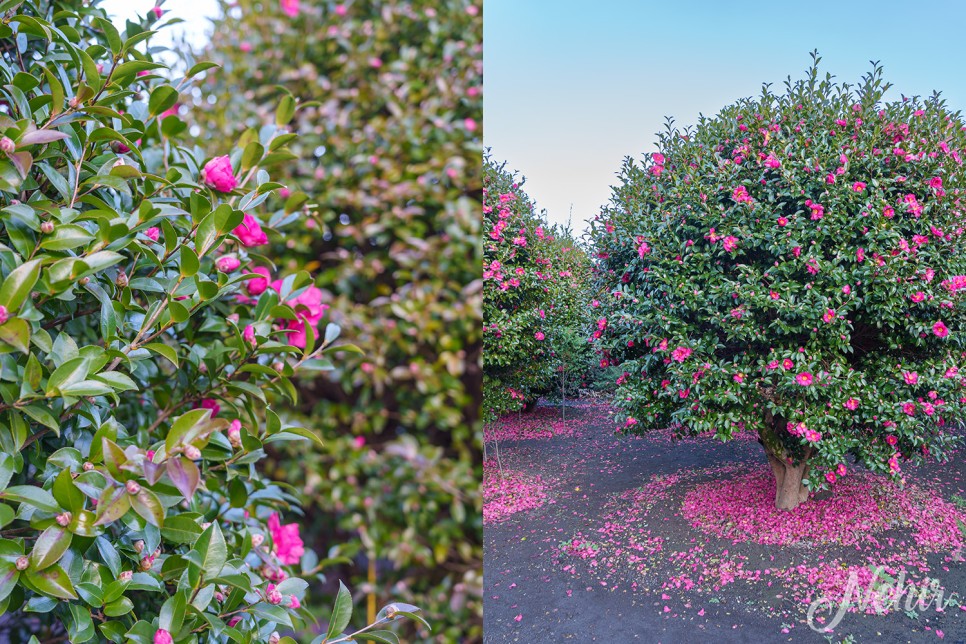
571	88
195	13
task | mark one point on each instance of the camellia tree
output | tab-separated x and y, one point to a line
534	292
793	266
385	179
142	346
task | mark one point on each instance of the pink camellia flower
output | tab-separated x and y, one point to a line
891	439
830	477
772	162
860	255
162	636
681	354
830	178
804	378
249	334
851	404
309	307
539	335
218	174
210	403
249	232
290	7
782	221
730	243
911	377
841	469
245	46
858	186
907	408
917	297
797	251
772	365
272	595
153	233
812	436
631	421
157	11
828	316
643	249
740	195
340	10
818	210
940	329
888	212
738	378
227	263
257	285
787	364
286	542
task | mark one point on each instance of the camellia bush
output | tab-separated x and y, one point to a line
535	286
793	267
143	345
385	179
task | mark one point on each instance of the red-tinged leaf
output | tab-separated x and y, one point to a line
146	504
185	476
40	136
113	504
49	547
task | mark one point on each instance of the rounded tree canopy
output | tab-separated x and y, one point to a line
792	266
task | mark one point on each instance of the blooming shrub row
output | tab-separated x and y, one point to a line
535	281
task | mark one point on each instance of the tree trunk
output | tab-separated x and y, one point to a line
790	492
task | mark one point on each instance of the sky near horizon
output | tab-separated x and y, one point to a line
571	88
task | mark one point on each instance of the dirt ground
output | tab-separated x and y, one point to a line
609	555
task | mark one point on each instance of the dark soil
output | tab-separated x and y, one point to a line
535	592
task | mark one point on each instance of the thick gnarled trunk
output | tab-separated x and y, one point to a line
790	492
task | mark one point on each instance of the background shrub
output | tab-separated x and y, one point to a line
387	103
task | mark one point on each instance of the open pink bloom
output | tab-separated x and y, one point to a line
539	335
828	316
643	249
812	436
860	255
830	477
162	636
852	404
772	162
911	377
730	243
290	7
287	544
152	233
917	297
787	364
212	404
907	408
257	285
218	174
227	263
841	469
804	378
309	307
740	194
738	378
681	354
249	232
940	329
858	186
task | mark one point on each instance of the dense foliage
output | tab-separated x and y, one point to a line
144	346
535	288
792	266
389	112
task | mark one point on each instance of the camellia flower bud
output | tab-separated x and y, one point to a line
73	102
153	233
234	433
132	487
274	638
125	575
147	563
162	636
272	596
139	546
4	315
88	466
219	175
192	452
63	519
7	145
227	263
278	365
84	281
233	318
249	334
257	540
121	279
47	227
22	563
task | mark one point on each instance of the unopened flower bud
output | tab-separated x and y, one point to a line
274	638
272	596
234	433
63	519
84	281
22	563
126	575
257	540
47	227
219	596
7	145
121	279
132	487
278	365
147	563
118	163
192	452
139	546
233	318
4	315
73	102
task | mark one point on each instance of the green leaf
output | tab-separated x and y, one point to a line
383	637
32	496
69	373
286	110
16	287
16	333
181	529
6	469
272	613
213	550
66	493
54	582
252	155
200	67
341	612
113	504
50	547
119	607
42	416
164	351
304	433
8	578
65	237
172	613
189	262
109	554
185	426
